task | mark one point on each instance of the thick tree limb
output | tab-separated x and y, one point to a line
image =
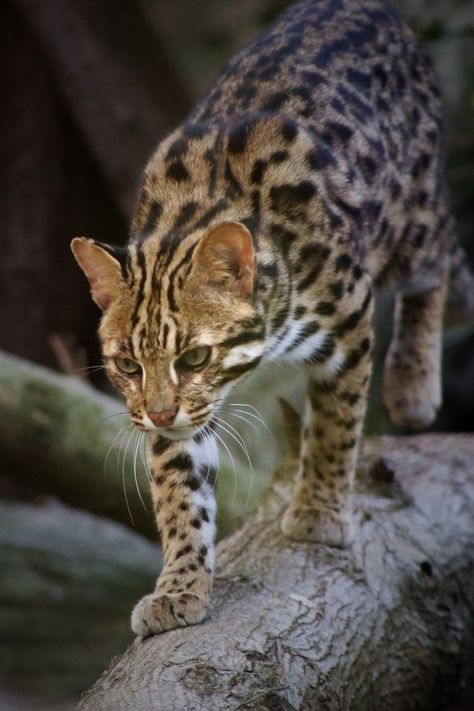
58	434
386	625
69	580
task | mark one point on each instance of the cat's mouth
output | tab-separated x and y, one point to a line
179	433
176	431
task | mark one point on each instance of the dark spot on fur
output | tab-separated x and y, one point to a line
343	263
325	308
287	197
177	171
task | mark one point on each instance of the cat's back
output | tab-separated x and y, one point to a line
354	57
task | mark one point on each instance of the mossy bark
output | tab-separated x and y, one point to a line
63	437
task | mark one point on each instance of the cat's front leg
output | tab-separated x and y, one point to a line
321	506
183	475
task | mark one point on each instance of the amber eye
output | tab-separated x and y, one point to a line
195	359
128	366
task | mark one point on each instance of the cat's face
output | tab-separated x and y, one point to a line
177	336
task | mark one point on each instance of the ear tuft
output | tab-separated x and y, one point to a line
102	270
226	255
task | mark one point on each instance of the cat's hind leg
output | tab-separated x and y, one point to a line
412	371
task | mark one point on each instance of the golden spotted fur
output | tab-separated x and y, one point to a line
310	174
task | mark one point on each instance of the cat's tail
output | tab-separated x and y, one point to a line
460	302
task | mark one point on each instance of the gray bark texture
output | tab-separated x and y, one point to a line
385	625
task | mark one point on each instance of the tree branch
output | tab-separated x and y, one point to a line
62	436
385	625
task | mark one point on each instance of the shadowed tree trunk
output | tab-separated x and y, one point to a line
387	625
87	93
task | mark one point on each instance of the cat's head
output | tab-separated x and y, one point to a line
177	330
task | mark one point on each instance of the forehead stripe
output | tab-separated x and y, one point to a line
172	277
141	265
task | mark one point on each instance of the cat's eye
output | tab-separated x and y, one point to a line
194	359
128	366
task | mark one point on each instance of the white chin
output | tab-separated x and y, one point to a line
180	433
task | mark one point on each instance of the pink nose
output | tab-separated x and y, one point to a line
163	418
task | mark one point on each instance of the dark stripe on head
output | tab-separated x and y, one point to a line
210	214
154	213
172	277
141	263
234	184
185	214
245	337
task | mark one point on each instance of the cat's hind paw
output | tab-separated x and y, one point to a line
411	394
159	612
318	526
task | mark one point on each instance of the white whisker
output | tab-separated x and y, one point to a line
117	414
240	441
123	476
88	369
232	414
135	476
231	459
208	433
258	416
117	437
143	456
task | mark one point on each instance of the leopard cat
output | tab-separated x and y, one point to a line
311	174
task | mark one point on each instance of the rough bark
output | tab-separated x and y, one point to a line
387	624
61	436
68	583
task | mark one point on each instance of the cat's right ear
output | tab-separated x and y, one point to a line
101	268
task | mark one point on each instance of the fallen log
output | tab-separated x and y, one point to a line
68	582
62	436
387	625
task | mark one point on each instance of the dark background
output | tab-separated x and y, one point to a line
89	87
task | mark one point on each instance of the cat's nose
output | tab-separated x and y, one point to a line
163	418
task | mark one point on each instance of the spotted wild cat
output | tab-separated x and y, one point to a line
311	173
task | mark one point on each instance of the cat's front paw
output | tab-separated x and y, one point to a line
160	612
318	526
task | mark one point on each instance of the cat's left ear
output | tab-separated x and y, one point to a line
101	268
226	256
